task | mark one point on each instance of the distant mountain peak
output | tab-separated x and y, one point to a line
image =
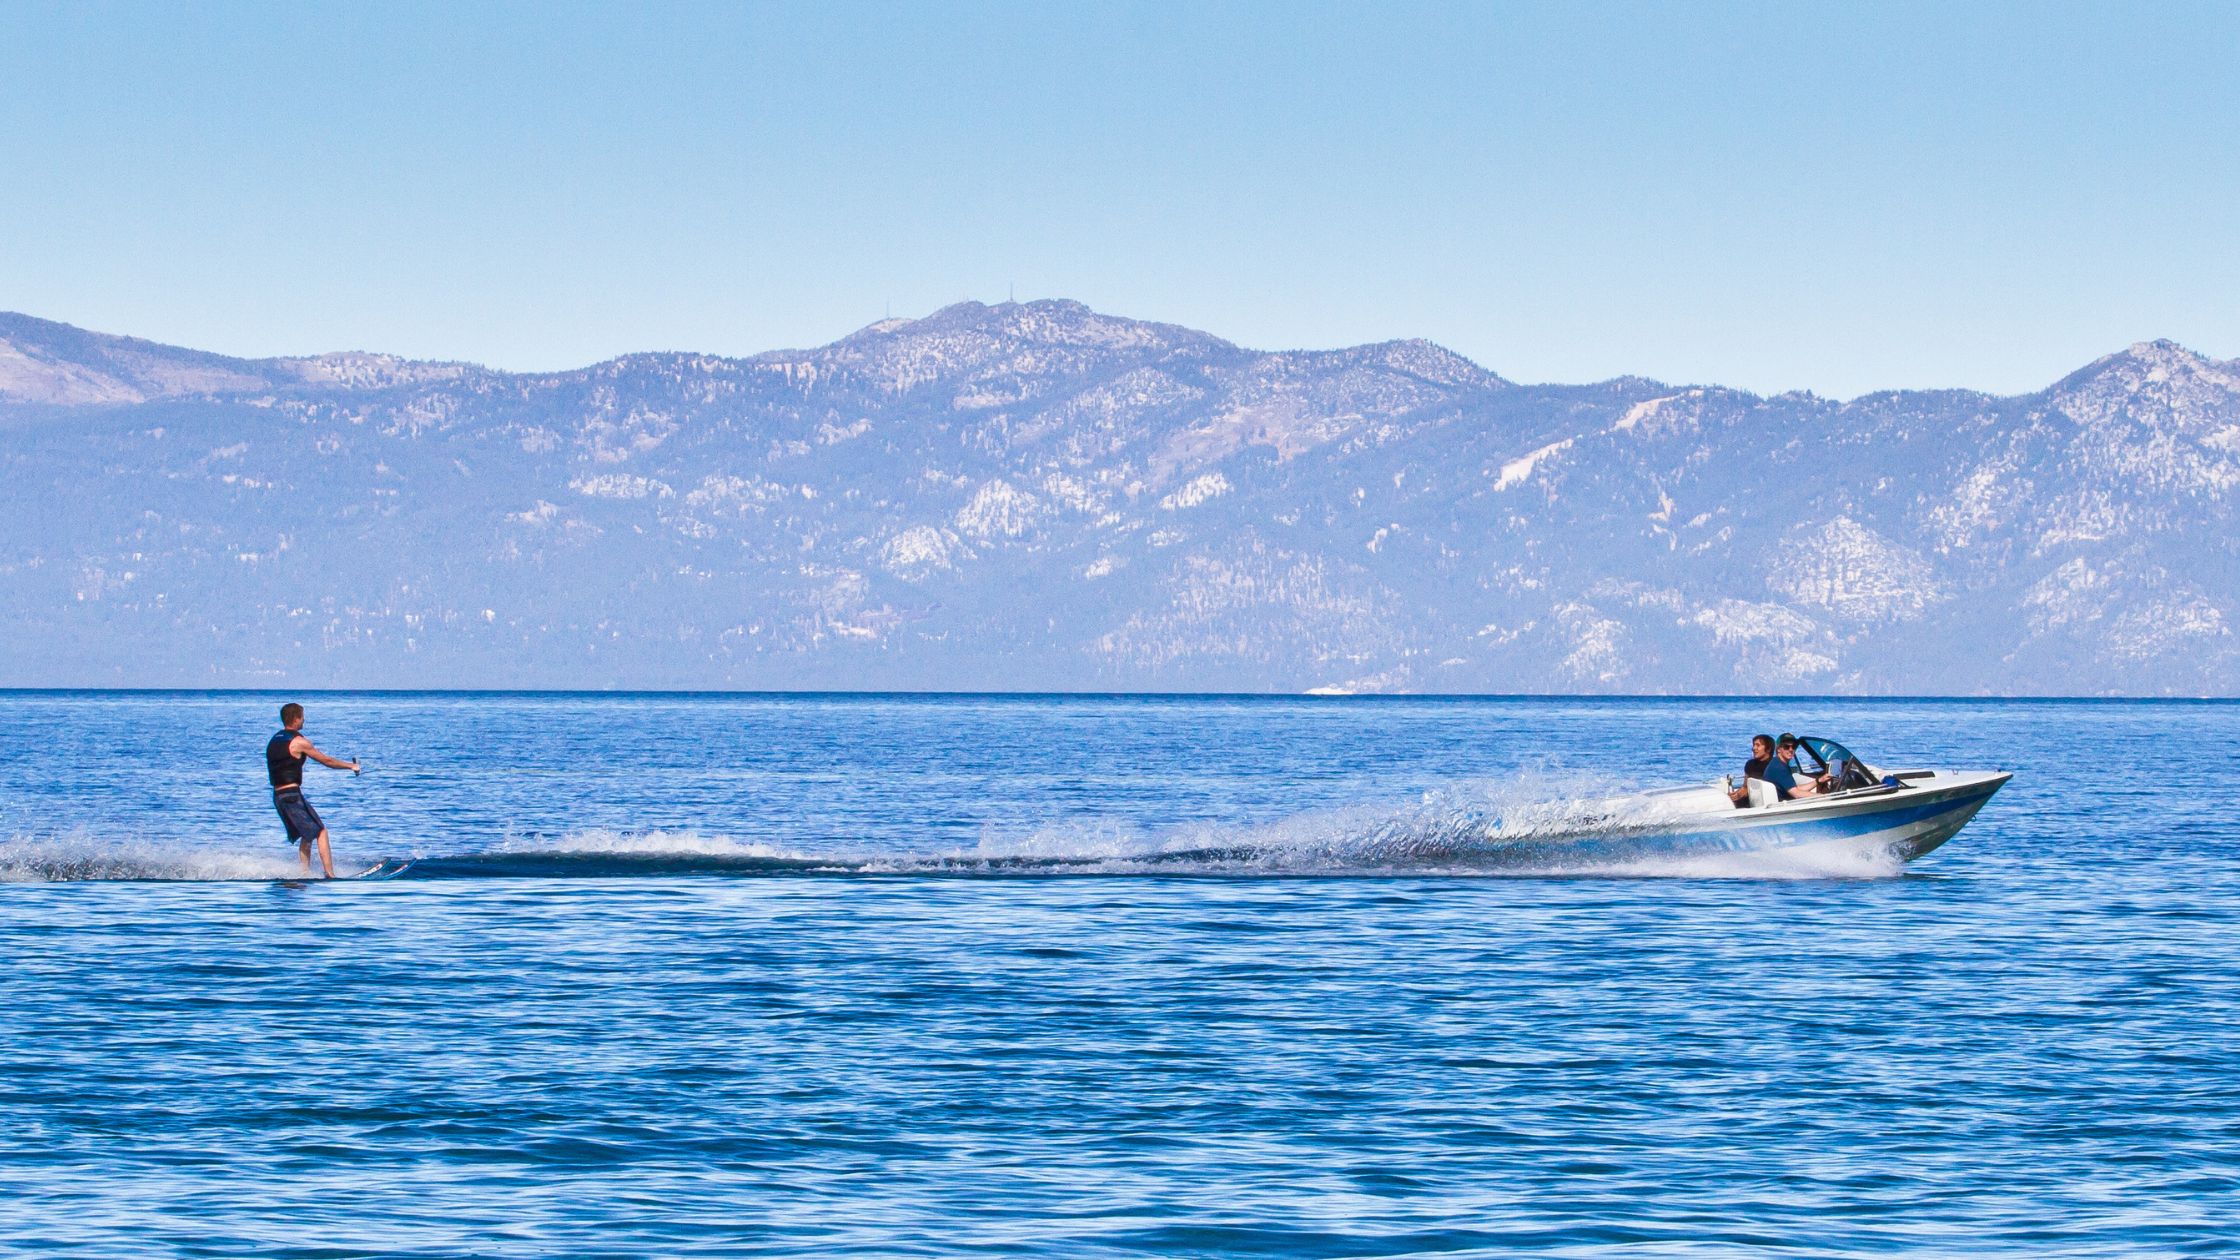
1414	356
2160	354
1058	321
2163	354
2190	382
356	369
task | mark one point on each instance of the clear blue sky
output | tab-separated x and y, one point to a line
1775	196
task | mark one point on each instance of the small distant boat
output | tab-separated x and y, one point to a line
1865	810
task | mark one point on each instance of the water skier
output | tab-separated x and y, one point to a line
284	755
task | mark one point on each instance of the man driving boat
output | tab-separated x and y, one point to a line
1782	771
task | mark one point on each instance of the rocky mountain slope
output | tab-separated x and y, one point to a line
1041	496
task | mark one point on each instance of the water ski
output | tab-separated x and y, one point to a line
386	868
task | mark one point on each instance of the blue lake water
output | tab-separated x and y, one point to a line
765	978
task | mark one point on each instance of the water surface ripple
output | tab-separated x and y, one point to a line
2023	1044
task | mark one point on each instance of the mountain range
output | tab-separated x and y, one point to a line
1038	496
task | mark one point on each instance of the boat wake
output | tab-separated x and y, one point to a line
1510	828
81	856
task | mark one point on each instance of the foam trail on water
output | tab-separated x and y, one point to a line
1516	826
607	853
76	856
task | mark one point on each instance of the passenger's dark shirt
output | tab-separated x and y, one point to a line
1755	768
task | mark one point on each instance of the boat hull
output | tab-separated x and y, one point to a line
1903	824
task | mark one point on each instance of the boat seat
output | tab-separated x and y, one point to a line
1762	793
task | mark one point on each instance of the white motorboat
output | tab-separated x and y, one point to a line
1861	809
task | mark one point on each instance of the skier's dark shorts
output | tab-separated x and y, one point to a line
296	814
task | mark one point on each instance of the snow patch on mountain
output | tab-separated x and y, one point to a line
1000	510
1196	491
919	550
1641	411
1518	471
1773	643
1597	645
620	486
1852	571
2164	626
2070	595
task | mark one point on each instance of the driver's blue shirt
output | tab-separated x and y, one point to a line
1780	775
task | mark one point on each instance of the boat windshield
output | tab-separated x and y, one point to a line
1827	757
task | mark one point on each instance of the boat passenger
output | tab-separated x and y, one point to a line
1761	755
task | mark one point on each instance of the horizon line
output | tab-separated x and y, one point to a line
1314	697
